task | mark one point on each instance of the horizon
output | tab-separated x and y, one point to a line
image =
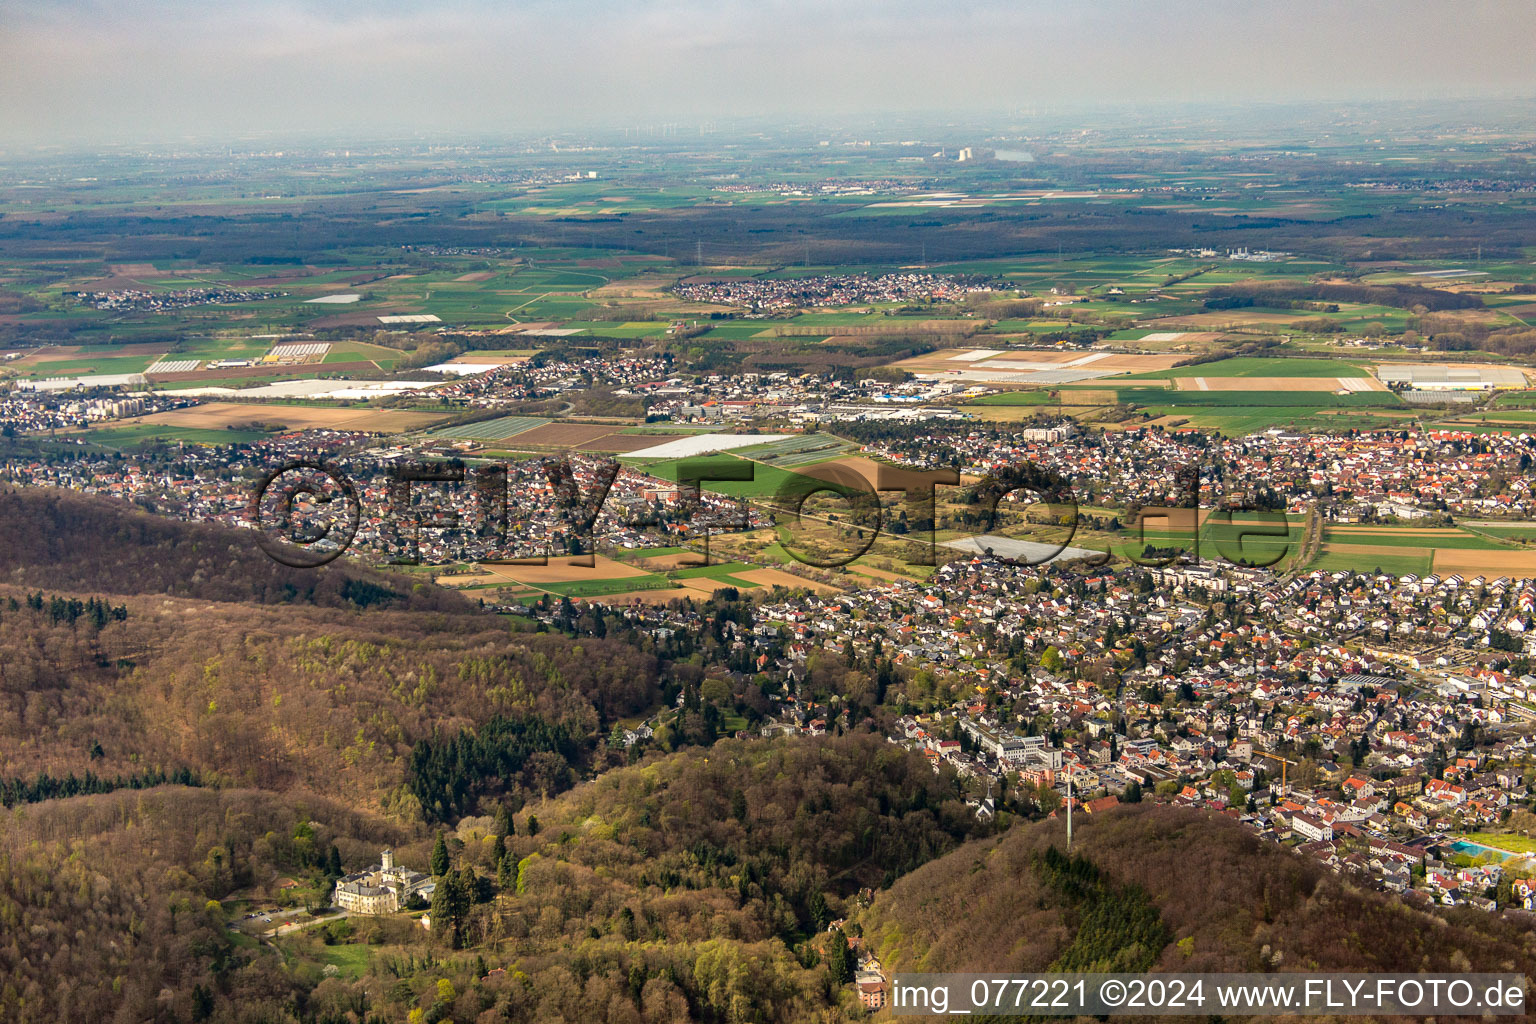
77	72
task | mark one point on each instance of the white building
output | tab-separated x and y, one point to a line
382	889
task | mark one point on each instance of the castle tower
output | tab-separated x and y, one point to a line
387	860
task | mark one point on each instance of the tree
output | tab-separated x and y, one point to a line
819	912
532	827
451	901
1132	794
840	958
440	860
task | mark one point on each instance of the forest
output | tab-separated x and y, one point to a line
1226	900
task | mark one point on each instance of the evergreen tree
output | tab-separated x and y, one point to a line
840	958
440	857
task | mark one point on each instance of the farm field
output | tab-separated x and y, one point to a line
1325	385
128	437
655	578
1404	549
1013	398
586	437
499	429
767	480
1256	366
213	415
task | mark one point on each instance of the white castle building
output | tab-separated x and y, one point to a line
382	889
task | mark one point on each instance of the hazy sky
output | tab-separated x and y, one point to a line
142	70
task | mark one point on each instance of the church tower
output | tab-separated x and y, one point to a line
387	860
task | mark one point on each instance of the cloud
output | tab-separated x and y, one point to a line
158	69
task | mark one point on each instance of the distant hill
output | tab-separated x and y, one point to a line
60	540
1163	888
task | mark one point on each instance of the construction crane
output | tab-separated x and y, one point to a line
1284	787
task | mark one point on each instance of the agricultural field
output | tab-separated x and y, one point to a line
215	415
1014	398
1472	550
767	480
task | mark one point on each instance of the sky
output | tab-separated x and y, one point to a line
131	70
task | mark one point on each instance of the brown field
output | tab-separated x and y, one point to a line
1131	362
1162	518
1190	340
122	275
621	443
1323	384
780	578
866	469
1519	564
1087	396
587	437
563	435
360	319
212	415
478	275
641	286
681	560
279	280
1114	362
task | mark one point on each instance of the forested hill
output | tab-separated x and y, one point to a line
1169	889
290	697
692	887
61	540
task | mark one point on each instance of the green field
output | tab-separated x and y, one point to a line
1465	542
599	588
767	481
1260	399
350	960
143	433
1255	366
1512	531
1416	562
1012	398
721	571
